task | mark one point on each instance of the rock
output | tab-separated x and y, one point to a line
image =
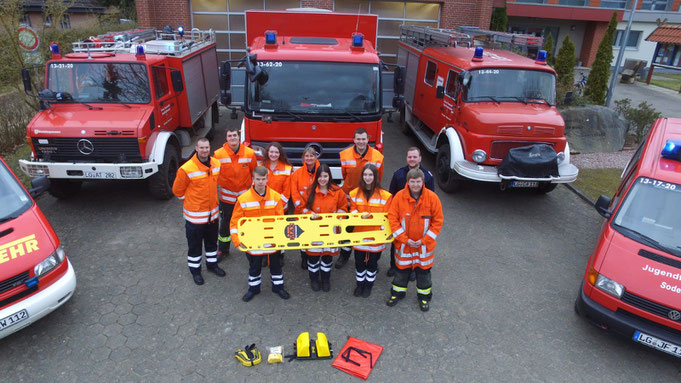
594	128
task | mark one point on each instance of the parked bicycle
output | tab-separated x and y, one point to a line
581	84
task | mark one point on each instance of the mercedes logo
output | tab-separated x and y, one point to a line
674	315
85	146
317	147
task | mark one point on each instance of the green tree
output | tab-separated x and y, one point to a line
499	19
565	66
548	47
641	118
597	83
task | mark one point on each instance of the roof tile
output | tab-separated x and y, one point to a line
666	34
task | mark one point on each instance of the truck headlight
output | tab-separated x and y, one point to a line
479	155
49	263
609	286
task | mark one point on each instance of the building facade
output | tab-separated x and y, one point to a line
81	13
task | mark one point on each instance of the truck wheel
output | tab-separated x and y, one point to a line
545	187
161	183
447	178
62	189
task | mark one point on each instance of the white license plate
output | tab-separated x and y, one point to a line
524	184
656	343
13	319
105	175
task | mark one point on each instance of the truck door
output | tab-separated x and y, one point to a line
449	111
166	109
426	104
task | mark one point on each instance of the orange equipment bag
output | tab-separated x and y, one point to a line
358	357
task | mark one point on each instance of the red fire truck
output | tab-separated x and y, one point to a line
312	78
470	105
123	106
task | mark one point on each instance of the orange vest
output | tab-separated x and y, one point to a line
236	171
301	179
378	203
196	185
251	204
279	179
415	220
352	165
333	201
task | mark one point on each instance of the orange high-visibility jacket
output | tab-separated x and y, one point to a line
301	179
352	165
378	203
196	185
333	201
415	220
236	171
279	179
251	204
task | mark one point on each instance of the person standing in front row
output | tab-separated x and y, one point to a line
279	179
196	184
259	201
353	160
237	163
301	180
399	181
323	197
368	198
416	218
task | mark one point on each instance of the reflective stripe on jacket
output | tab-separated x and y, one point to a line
236	171
333	201
279	179
252	204
415	220
352	164
378	203
196	185
301	179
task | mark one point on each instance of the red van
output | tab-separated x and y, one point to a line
35	275
632	283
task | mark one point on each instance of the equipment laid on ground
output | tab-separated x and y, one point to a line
306	349
302	232
249	356
276	355
358	357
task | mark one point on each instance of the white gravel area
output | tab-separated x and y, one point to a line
616	160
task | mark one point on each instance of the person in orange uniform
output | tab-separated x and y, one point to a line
301	180
353	160
237	163
280	169
260	200
416	218
196	184
368	198
323	197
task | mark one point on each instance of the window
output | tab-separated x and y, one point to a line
431	72
25	20
578	3
613	4
48	21
654	5
450	88
634	37
160	81
66	22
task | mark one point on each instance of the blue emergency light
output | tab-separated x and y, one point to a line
357	39
180	31
140	50
54	48
541	57
477	56
672	150
270	37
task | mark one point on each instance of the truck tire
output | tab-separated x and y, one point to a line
63	189
161	183
447	178
545	187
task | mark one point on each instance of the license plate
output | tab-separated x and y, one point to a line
13	319
656	343
524	184
89	174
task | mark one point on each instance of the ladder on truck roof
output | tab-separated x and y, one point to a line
153	41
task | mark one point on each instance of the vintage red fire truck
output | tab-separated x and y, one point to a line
36	277
124	106
312	78
632	282
470	105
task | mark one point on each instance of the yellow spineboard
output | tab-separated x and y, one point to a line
288	232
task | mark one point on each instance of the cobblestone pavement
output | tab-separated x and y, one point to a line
507	272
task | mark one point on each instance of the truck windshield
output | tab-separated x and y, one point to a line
316	87
511	85
13	198
650	215
100	82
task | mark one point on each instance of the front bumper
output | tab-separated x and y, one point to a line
43	302
567	172
621	323
85	171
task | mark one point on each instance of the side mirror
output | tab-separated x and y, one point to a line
225	98
176	77
39	185
398	79
225	75
464	78
602	206
26	77
440	91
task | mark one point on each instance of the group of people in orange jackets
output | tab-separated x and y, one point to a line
233	184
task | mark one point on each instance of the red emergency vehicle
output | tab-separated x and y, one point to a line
125	106
632	283
35	275
470	104
312	78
